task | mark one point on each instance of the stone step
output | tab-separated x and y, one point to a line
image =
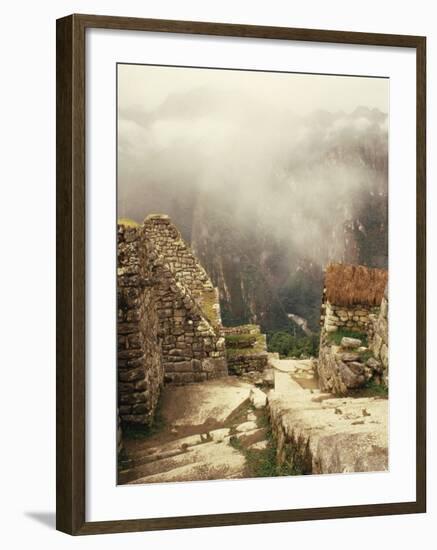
213	460
172	448
195	440
167	446
198	471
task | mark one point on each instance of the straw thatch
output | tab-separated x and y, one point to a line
348	285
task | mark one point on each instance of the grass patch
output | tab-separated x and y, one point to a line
371	389
259	345
263	462
234	340
208	300
336	337
365	355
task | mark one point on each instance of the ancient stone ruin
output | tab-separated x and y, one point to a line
355	302
238	401
169	323
338	427
246	349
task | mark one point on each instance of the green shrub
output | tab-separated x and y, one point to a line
371	389
288	345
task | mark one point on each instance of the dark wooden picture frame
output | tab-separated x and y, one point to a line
71	246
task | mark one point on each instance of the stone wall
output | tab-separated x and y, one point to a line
341	369
379	340
246	349
356	318
168	318
140	367
242	364
193	348
169	244
351	363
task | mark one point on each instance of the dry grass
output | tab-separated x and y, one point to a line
127	222
348	285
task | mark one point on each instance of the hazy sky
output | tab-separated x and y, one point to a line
293	148
149	87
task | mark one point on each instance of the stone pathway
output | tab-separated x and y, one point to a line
194	443
321	433
206	428
299	370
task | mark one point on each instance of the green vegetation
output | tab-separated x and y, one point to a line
263	462
365	355
259	345
208	300
240	340
288	345
372	389
336	337
128	222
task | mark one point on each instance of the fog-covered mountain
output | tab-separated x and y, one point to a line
266	197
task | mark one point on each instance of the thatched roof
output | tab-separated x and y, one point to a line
347	285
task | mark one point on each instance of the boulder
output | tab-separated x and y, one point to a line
374	364
257	398
349	356
350	343
356	367
349	376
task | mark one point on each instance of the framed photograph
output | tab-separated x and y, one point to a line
240	274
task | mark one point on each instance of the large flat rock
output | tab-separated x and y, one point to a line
318	433
197	404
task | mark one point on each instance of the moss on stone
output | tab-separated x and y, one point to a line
258	347
127	222
208	305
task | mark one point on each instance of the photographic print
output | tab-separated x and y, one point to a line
252	274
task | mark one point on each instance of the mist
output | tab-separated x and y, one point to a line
276	154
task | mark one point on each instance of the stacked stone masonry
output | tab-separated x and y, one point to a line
343	370
246	349
169	323
354	318
193	349
140	368
379	341
168	318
